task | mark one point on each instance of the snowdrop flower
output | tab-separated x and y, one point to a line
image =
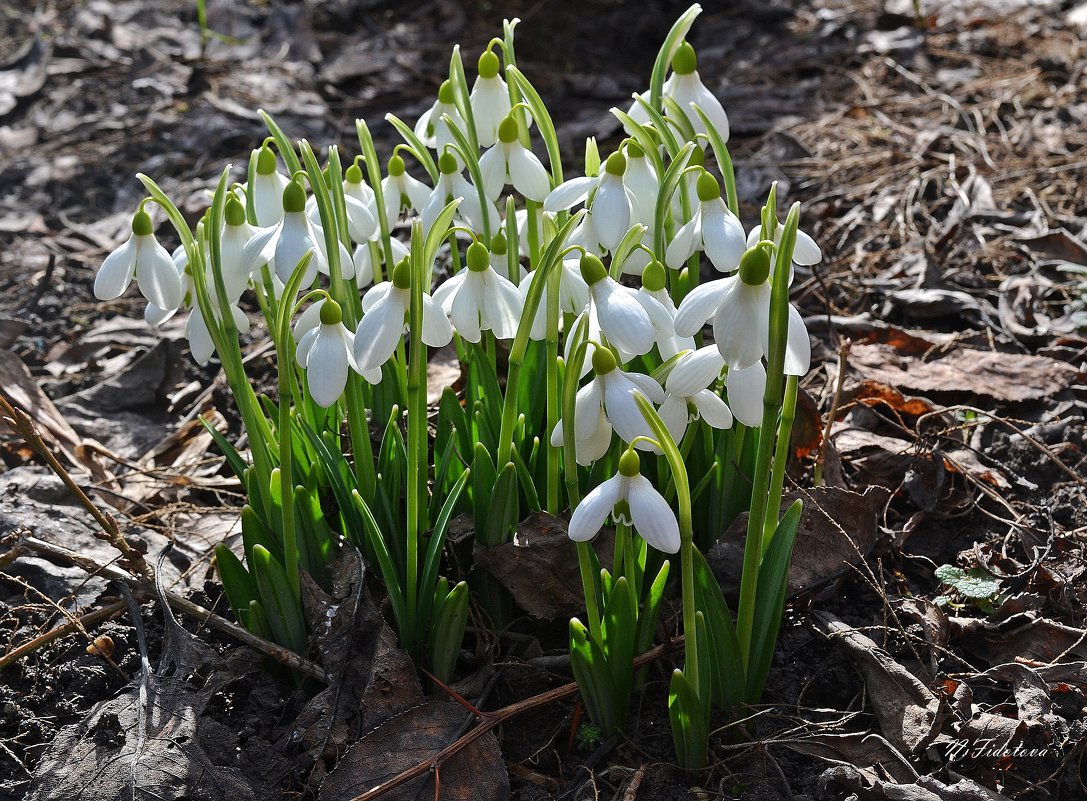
655	299
143	258
713	228
452	185
152	314
689	396
385	317
237	232
361	223
431	128
805	250
267	188
621	312
605	403
364	265
401	191
611	209
510	162
478	299
699	369
650	514
490	99
324	351
642	182
196	330
685	87
740	308
284	245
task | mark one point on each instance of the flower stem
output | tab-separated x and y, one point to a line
781	460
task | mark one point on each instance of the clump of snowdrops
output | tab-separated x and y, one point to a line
577	309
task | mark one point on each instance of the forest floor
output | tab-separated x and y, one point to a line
941	164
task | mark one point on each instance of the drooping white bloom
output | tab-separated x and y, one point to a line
606	403
478	299
325	353
689	396
650	514
805	249
658	303
152	314
490	99
385	317
143	258
510	162
196	330
713	228
284	244
623	317
700	368
431	128
400	191
611	208
643	184
361	223
740	308
685	87
237	232
267	189
453	185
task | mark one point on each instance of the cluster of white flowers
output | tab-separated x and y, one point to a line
624	321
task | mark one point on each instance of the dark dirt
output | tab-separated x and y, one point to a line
928	157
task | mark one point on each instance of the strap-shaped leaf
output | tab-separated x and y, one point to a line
240	587
277	598
447	632
690	729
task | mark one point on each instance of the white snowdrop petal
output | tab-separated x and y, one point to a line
241	322
259	249
723	236
309	319
490	102
587	410
623	412
465	310
416	190
437	332
360	220
653	518
696	371
492	165
305	344
622	318
116	271
712	409
684	243
611	212
375	294
699	305
573	291
379	332
527	173
596	445
501	305
647	385
741	322
268	198
326	370
644	186
156	273
797	346
364	265
713	110
590	515
392	197
569	194
200	341
291	245
154	316
443	295
806	251
674	414
745	388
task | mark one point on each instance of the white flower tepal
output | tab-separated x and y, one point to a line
650	513
478	299
143	258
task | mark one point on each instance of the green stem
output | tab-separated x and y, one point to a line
781	460
417	431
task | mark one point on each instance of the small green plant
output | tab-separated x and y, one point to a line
975	585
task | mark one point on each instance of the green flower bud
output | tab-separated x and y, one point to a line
603	361
592	269
235	211
447	93
684	62
401	276
708	188
499	245
630	464
396	166
331	313
616	164
266	161
478	258
141	223
508	130
488	65
353	174
755	266
447	163
654	277
294	197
